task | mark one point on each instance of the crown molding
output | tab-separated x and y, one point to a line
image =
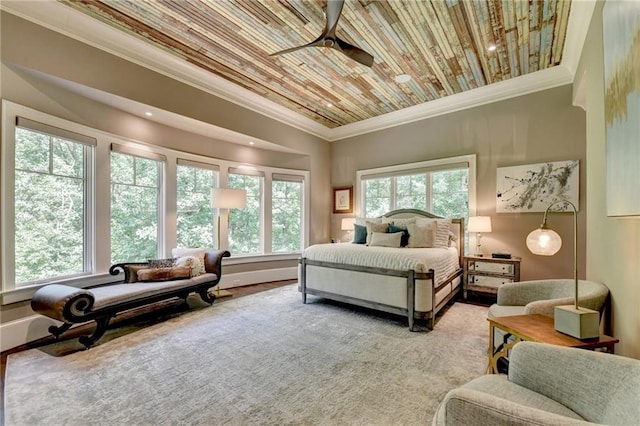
72	23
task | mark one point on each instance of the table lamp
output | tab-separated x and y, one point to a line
479	224
581	323
347	225
224	199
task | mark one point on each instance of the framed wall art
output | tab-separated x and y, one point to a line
533	187
621	40
343	199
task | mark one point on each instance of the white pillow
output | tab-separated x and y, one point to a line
399	221
192	262
196	252
381	239
362	221
442	230
421	234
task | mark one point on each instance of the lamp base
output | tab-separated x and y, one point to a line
581	323
221	293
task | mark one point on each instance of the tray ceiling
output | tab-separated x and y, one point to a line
443	45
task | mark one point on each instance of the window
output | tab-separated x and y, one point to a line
245	225
135	205
52	190
442	187
286	213
196	221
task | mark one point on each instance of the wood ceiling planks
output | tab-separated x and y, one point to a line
441	44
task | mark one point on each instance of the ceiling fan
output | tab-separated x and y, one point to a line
328	37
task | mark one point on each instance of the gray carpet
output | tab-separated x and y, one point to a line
261	359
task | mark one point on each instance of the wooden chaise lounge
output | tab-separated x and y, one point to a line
73	305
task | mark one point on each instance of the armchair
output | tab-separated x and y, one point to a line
540	297
549	385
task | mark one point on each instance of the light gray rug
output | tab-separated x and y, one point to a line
261	359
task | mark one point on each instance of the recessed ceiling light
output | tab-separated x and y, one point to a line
148	114
491	48
252	143
329	104
403	78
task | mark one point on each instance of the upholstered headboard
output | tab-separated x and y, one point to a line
457	224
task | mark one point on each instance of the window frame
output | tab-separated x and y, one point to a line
415	168
98	208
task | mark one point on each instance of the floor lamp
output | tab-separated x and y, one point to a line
581	323
224	199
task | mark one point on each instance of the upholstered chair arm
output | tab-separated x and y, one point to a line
546	307
62	302
601	388
464	406
523	292
213	261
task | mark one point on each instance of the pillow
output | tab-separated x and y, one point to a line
197	252
161	263
442	230
375	227
192	262
453	238
382	239
421	235
164	274
399	221
133	272
405	234
363	220
360	234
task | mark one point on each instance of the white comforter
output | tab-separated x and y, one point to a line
443	261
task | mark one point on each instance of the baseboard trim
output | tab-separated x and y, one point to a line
24	330
240	279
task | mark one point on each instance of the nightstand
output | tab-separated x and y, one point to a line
483	275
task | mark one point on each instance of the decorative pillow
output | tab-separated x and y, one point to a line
405	233
363	220
441	229
375	227
381	239
133	272
164	274
192	262
197	252
161	263
421	235
453	239
399	221
360	234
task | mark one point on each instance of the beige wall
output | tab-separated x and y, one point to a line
613	245
529	129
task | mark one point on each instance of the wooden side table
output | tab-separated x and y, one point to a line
483	275
537	328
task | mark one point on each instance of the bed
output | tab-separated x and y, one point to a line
413	282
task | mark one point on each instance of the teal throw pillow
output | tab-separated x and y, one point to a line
360	234
405	234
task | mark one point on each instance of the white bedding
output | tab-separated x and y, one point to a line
444	262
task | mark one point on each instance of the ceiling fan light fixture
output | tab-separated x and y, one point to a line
403	78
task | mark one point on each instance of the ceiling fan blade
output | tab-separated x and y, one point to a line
354	52
316	42
334	9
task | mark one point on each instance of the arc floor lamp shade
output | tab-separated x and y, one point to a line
228	198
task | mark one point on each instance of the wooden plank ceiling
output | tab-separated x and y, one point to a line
442	44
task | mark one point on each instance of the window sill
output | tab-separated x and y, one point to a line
257	258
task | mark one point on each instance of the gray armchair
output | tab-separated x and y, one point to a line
549	385
540	297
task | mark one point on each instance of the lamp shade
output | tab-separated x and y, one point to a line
228	198
544	241
480	224
348	223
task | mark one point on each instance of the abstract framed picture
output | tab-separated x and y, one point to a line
621	40
534	187
343	199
